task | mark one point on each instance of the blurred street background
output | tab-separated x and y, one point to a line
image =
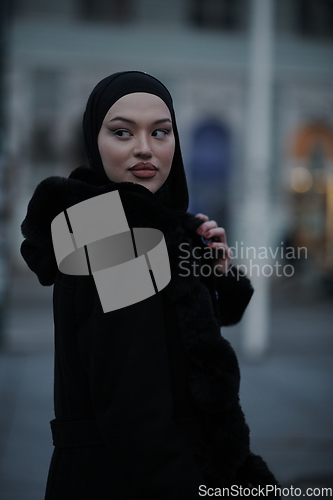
286	395
252	82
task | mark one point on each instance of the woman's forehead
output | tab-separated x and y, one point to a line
137	103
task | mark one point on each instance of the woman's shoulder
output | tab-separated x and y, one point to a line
55	195
52	196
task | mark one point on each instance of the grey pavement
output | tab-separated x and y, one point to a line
287	396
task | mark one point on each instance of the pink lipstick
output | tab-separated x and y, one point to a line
144	169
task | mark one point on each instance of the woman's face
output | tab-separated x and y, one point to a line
136	140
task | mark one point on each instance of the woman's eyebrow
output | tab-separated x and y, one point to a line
120	118
162	120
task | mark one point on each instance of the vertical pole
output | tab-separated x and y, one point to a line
3	261
256	205
328	255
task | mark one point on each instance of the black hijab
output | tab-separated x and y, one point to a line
173	194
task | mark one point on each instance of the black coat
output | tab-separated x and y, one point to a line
146	397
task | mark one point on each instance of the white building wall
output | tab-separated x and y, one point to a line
206	71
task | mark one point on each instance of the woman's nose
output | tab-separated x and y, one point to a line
143	147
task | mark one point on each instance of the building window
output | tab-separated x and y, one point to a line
210	169
211	152
315	18
114	11
312	193
46	105
227	15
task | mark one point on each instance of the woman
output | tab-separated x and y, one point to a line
146	396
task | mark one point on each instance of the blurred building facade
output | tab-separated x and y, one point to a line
58	51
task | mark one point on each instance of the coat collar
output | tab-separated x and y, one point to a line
143	209
55	194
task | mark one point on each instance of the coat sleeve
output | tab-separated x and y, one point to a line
125	357
230	293
233	293
41	260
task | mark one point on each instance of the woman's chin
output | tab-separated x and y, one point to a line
151	186
144	184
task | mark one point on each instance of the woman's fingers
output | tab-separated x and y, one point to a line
224	256
206	226
210	229
216	232
202	216
224	251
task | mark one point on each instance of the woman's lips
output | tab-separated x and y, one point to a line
144	173
143	169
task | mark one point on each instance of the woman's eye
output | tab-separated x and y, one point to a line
160	133
121	133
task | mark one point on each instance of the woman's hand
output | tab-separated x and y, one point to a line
210	229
